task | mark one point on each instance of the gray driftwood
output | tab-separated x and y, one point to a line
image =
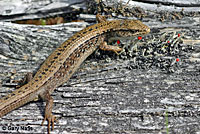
102	96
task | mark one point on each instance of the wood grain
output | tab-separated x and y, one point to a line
104	95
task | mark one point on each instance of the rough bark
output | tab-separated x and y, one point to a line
106	95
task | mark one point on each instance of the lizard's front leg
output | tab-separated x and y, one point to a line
104	46
48	110
100	18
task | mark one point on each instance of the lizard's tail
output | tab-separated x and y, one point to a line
15	99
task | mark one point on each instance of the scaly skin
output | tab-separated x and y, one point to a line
65	60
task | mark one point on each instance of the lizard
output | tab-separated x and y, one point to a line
66	59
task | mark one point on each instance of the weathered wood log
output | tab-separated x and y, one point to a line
106	95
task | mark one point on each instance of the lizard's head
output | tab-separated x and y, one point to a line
128	28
